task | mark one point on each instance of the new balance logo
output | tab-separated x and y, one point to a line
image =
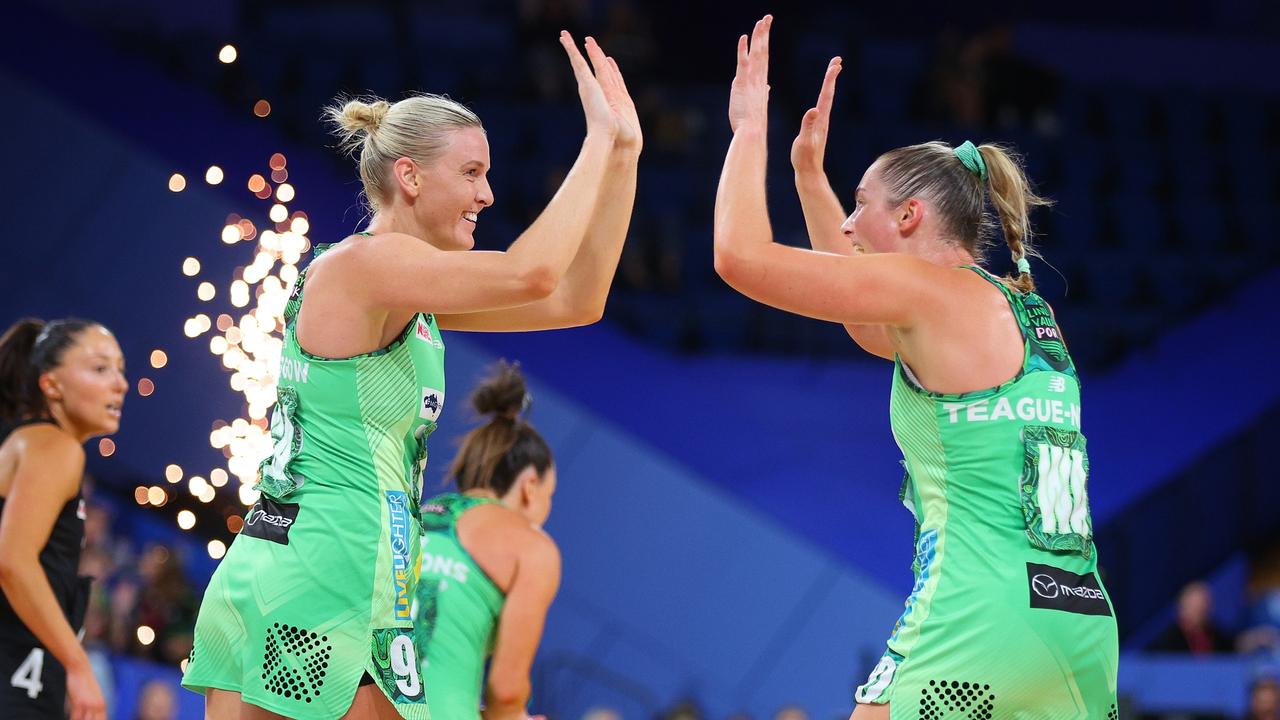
1057	384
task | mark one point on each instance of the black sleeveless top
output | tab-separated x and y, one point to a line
60	559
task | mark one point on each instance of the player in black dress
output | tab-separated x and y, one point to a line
61	383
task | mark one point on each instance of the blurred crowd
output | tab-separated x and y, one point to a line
1195	630
142	606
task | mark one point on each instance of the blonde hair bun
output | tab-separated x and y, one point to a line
379	132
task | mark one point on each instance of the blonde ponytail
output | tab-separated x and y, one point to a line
1013	198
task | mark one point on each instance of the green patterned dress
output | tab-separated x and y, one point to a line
317	588
1008	618
456	612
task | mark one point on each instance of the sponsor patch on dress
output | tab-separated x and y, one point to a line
432	404
398	527
424	333
1052	588
270	520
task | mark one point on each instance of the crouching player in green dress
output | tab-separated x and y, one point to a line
489	572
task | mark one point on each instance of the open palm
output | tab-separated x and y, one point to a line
810	145
595	105
615	92
749	94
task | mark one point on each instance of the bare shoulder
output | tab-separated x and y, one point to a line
539	561
492	521
47	455
906	271
540	546
43	442
509	528
377	247
361	248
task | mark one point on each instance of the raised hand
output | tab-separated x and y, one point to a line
749	95
615	91
810	146
595	106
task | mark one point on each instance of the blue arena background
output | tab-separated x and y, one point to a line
728	508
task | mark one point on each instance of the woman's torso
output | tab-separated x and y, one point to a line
997	482
358	426
456	611
60	556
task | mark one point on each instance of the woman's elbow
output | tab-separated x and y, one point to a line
10	569
728	262
508	692
589	315
539	282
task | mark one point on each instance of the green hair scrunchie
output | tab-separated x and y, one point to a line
972	159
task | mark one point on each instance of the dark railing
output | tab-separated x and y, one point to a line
1183	530
567	685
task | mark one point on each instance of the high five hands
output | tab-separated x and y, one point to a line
606	103
810	145
749	99
749	95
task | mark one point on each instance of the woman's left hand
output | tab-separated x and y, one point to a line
629	136
749	95
810	145
595	104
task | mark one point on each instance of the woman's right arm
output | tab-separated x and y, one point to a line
402	272
520	628
47	477
823	214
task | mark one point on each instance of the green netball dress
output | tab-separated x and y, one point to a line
317	588
456	612
1008	618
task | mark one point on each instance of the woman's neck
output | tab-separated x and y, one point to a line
481	493
395	220
65	423
948	255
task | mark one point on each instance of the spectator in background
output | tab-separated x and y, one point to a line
539	27
602	713
629	36
791	712
1193	631
158	701
1262	639
683	710
980	81
166	604
1264	700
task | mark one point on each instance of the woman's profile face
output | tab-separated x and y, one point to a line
89	382
539	506
872	227
455	189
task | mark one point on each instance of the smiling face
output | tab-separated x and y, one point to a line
453	190
86	389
